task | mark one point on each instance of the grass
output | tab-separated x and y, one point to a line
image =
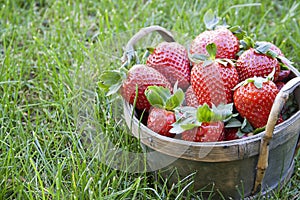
53	117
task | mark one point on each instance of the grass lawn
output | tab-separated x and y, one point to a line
54	118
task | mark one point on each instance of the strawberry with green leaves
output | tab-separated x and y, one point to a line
171	60
253	99
213	79
207	132
259	59
132	83
256	62
202	124
162	116
227	43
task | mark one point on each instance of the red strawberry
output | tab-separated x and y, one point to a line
254	98
231	134
171	59
139	76
191	98
207	132
280	120
162	116
202	124
279	85
214	83
283	74
227	43
160	121
254	63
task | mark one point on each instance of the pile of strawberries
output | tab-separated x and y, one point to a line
221	87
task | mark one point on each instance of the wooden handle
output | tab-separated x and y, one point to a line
129	51
279	102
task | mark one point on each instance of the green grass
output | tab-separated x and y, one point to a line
53	117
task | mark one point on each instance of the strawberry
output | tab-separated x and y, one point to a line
207	132
139	77
160	121
279	84
213	80
171	59
191	98
231	134
227	43
202	124
280	120
162	116
253	99
283	74
258	61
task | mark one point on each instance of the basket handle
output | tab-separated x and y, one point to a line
279	102
129	52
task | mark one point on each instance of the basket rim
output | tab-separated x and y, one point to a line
245	140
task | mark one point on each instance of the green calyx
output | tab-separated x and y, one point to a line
238	32
111	81
246	43
161	97
210	19
264	48
247	128
211	50
207	60
257	81
189	117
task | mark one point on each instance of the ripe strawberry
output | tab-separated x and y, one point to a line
213	81
191	98
255	62
207	132
202	124
139	76
254	98
283	74
171	59
160	121
280	120
162	116
227	43
231	134
279	84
